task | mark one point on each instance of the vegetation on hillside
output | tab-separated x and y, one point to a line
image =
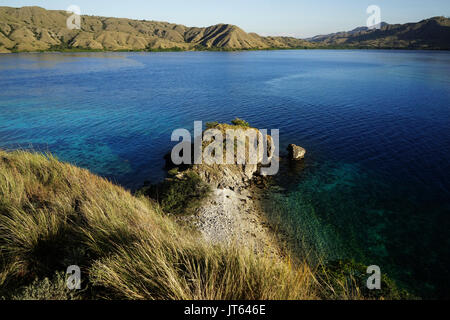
178	195
53	215
240	122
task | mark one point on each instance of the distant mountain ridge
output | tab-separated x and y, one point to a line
324	37
433	33
36	29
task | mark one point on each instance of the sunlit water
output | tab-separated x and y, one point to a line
375	184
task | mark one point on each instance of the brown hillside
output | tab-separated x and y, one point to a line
35	29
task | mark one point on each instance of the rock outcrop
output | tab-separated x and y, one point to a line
232	213
231	176
296	152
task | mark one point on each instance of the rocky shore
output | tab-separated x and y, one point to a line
233	214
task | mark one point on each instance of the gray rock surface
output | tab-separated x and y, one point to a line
230	217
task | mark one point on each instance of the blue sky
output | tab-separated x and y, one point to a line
300	18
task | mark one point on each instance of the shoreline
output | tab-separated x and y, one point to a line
231	50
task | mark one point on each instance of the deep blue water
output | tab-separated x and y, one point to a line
375	184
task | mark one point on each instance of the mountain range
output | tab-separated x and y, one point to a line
433	33
36	29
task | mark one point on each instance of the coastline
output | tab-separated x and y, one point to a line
228	50
231	222
91	178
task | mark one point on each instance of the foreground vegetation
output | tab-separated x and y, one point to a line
53	215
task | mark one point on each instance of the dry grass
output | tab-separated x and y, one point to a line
53	215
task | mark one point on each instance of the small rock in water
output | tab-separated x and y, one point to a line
296	152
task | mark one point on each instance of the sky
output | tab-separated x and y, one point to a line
298	18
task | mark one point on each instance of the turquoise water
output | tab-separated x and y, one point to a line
375	184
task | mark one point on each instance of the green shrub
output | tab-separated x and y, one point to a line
211	125
46	289
173	171
240	122
179	196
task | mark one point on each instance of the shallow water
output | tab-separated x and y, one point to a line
375	184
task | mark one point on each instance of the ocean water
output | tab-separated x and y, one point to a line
374	186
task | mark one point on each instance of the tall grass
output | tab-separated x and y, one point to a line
53	215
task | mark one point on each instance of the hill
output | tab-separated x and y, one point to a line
37	29
53	215
433	33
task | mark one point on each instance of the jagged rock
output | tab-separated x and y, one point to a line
232	213
296	152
